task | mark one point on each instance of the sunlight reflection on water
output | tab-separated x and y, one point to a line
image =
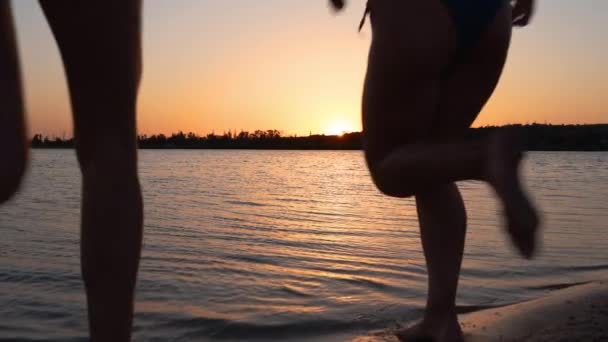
268	243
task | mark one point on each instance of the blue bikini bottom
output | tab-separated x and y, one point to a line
472	18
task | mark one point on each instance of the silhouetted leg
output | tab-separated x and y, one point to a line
100	45
470	84
414	123
13	146
415	117
442	218
411	168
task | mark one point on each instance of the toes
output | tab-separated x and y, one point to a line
526	248
523	232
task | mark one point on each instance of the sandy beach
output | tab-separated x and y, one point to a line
576	313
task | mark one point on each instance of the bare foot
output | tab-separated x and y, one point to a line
502	169
433	330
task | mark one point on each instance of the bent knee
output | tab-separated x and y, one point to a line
390	185
11	175
400	187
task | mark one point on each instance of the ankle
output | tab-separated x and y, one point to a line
439	312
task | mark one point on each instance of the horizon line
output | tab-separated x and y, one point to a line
233	131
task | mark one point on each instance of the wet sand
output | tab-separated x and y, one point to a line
577	313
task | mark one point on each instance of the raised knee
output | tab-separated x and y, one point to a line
391	186
11	174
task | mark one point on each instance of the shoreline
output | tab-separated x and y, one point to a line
575	313
534	137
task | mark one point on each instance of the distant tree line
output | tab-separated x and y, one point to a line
542	137
535	137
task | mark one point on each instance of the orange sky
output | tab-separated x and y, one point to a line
290	65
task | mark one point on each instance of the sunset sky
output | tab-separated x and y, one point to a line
291	65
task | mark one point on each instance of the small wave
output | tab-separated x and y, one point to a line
231	330
28	276
245	203
293	291
589	268
199	322
6	336
252	259
366	283
296	200
553	287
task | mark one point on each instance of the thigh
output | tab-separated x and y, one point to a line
100	46
413	42
472	79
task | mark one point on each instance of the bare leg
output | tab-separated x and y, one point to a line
442	219
444	267
13	158
410	169
520	215
435	152
414	123
100	45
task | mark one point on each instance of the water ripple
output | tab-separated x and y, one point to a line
268	245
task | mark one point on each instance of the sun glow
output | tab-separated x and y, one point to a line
338	127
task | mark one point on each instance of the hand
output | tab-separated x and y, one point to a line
522	12
337	4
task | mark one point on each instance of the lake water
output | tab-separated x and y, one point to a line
274	245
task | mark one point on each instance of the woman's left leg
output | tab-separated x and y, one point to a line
443	225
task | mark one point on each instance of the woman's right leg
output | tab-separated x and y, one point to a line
415	118
405	105
401	100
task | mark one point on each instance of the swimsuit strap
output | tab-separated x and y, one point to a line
365	14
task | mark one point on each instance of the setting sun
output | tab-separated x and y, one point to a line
338	127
